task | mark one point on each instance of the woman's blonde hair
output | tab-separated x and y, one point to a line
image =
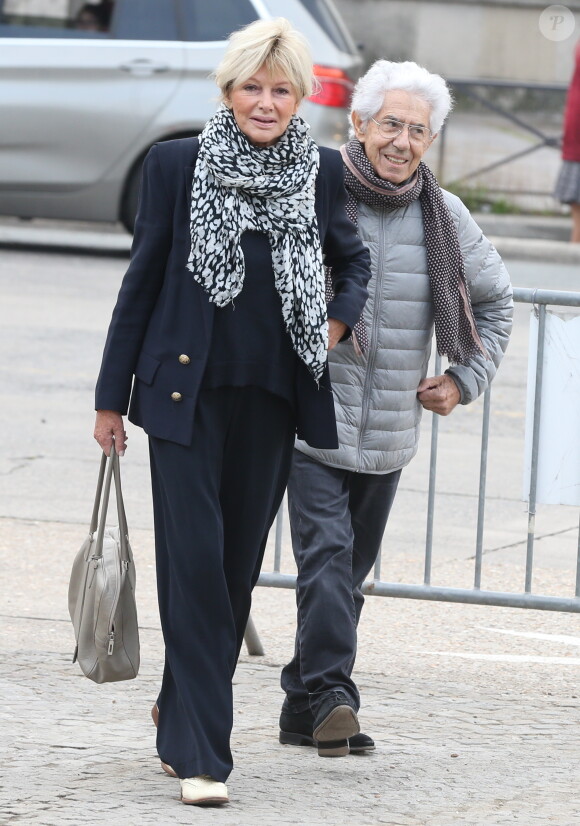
270	43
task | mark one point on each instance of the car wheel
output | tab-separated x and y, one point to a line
131	197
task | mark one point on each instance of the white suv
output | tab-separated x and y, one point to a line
87	87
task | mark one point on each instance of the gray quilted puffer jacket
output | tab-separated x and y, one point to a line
377	410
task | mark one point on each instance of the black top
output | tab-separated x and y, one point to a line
250	344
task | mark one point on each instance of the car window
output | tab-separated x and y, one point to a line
45	18
328	20
153	20
225	17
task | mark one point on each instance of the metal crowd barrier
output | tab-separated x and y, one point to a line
469	88
476	595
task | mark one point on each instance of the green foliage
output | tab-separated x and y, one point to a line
503	207
478	199
511	99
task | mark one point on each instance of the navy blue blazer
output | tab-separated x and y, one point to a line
162	314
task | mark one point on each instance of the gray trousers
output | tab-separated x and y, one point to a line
337	521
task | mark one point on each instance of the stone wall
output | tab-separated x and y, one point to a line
464	38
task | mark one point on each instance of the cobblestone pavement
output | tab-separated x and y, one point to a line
475	711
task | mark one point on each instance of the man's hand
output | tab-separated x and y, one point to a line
439	394
336	330
109	424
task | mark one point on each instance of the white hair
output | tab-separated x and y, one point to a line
384	76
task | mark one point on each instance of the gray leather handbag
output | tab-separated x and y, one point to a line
101	594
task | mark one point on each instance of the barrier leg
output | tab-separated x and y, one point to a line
252	640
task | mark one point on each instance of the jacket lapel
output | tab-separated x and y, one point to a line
189	175
188	183
206	307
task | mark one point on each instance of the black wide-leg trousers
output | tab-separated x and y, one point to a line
214	502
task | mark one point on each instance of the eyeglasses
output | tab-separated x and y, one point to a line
392	128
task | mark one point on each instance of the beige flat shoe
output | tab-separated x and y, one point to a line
203	791
165	766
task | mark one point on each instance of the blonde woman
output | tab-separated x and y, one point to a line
222	321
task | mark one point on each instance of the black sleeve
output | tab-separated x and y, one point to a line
345	253
139	290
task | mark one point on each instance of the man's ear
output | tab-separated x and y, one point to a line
357	123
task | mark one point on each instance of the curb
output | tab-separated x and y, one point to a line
64	240
533	249
119	244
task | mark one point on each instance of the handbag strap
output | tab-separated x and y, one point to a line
109	470
95	516
121	515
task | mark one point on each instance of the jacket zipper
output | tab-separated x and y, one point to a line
374	345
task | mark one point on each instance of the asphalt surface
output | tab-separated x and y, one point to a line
474	709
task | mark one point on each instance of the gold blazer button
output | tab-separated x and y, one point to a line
183	359
176	397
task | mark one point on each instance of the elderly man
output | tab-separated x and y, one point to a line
432	268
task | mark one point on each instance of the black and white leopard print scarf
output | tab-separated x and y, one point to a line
455	329
238	187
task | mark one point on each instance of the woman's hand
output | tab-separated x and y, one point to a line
336	330
109	425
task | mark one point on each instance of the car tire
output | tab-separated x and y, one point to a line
130	199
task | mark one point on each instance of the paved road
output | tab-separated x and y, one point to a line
475	710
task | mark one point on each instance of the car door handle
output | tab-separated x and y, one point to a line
142	66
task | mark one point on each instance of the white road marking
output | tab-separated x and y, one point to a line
531	635
505	658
